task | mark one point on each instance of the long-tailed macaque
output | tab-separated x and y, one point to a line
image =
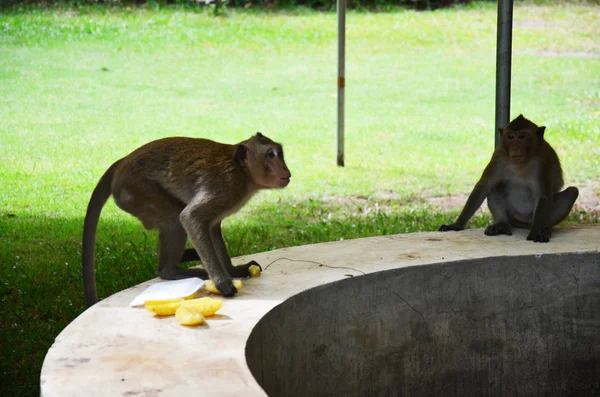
184	187
522	183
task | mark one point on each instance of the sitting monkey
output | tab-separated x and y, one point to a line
522	184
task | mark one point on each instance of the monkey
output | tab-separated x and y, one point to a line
184	187
522	184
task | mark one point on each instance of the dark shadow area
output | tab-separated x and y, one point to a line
42	291
504	326
40	256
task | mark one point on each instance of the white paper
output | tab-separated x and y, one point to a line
169	290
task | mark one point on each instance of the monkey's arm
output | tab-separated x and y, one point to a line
196	222
479	193
219	243
474	201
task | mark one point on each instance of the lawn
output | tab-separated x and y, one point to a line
81	87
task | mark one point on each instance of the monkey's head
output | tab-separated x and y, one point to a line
521	138
264	161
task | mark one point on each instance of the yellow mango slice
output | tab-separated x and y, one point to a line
207	306
189	315
156	302
168	307
163	309
210	286
254	270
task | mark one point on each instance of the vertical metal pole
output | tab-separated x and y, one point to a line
341	81
503	65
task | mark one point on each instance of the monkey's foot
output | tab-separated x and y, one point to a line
241	271
453	226
541	236
497	229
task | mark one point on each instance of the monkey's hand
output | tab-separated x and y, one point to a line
226	288
497	229
242	271
540	236
452	226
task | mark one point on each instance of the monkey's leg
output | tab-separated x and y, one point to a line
562	203
140	198
171	240
498	204
559	209
219	243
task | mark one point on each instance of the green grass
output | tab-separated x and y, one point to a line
82	86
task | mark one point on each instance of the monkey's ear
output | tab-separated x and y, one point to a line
540	131
258	133
520	117
500	131
241	155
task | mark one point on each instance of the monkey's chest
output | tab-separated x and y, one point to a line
521	201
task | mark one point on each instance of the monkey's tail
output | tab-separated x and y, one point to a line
100	195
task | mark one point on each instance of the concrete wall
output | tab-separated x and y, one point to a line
506	326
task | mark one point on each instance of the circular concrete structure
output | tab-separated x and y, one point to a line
504	326
424	314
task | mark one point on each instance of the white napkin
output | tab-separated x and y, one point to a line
169	290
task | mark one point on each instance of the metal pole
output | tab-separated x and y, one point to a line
341	81
503	65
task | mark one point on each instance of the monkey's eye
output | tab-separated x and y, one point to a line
521	136
271	153
510	136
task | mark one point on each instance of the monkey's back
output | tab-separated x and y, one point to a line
183	165
552	166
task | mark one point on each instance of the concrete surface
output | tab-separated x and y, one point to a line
504	326
114	350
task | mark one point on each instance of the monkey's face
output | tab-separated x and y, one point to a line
276	174
521	138
265	162
518	144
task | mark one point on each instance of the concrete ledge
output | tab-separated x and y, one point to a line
114	350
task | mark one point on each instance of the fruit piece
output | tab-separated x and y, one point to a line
207	306
210	286
254	270
189	315
164	309
167	307
155	302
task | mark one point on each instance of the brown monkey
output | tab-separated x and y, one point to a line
522	183
184	187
